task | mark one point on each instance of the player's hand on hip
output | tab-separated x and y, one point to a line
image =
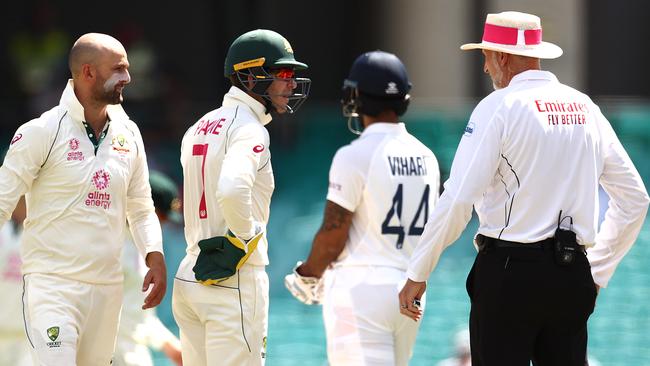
409	299
156	276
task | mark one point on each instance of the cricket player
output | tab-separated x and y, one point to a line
381	188
83	170
141	330
14	349
228	182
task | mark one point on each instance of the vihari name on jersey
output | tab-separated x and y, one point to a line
407	165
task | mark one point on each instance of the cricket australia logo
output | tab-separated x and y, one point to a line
53	335
101	179
120	144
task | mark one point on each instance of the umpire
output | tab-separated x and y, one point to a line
530	162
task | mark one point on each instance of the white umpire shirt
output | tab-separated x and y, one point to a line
227	176
530	150
78	198
390	180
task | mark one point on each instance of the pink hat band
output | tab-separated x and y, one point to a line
511	36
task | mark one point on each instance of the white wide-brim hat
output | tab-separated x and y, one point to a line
515	33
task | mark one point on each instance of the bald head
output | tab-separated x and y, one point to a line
99	68
90	49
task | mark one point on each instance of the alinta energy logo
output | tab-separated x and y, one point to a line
101	179
53	335
73	154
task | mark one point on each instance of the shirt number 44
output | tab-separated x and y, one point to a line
396	210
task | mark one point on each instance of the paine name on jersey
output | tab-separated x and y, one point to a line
407	165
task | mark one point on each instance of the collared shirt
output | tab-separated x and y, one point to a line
227	176
390	181
79	200
529	151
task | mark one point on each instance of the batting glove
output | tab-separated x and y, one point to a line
308	290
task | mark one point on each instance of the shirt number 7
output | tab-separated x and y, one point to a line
202	150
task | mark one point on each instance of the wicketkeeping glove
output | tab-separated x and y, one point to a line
308	290
221	256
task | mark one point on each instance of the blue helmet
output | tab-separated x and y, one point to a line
377	82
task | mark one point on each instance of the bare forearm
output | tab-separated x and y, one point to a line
329	241
323	252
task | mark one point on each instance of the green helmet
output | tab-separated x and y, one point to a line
260	47
258	58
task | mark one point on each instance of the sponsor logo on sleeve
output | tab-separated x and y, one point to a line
101	179
16	138
335	186
258	148
73	154
469	129
53	335
120	144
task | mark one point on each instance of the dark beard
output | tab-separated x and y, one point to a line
112	97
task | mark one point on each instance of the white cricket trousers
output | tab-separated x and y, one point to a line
70	322
362	319
224	324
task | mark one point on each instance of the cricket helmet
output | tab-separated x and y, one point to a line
262	55
378	81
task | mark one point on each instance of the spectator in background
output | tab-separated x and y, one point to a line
14	348
38	55
142	329
462	355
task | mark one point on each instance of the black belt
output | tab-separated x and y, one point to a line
485	242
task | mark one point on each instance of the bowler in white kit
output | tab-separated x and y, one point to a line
83	170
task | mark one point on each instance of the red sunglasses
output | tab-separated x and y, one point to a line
284	73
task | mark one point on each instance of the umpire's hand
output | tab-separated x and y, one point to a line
157	276
409	299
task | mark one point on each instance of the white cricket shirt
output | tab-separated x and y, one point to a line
227	176
79	199
530	150
390	181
